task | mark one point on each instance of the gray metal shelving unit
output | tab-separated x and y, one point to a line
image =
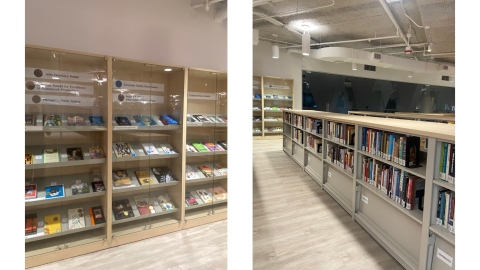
411	237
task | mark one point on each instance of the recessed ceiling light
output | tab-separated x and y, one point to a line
168	69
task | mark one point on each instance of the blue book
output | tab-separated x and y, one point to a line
397	193
444	169
442	209
55	191
257	96
96	121
390	146
364	135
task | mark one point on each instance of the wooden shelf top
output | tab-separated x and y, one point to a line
406	115
440	131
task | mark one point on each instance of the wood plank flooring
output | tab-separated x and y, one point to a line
297	225
201	247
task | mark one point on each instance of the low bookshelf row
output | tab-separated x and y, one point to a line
271	96
376	170
118	150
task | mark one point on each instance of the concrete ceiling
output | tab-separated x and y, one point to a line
360	19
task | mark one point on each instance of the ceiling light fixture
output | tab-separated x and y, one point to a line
168	69
306	44
410	75
275	51
354	66
429	47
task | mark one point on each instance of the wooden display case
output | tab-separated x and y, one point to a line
76	85
275	93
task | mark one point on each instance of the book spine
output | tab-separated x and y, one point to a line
447	208
449	147
442	209
91	216
451	221
390	147
444	164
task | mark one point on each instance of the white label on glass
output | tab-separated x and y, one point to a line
199	95
53	184
63	75
40	224
132	85
64	155
59	87
444	257
64	220
365	199
329	174
38	157
194	124
276	86
132	121
78	181
309	158
87	154
124	97
126	127
156	203
58	100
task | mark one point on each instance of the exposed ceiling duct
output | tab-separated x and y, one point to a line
220	14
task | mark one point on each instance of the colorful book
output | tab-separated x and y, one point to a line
190	200
122	209
31	191
221	169
75	120
98	186
191	149
206	198
74	154
76	218
56	191
219	193
144	120
123	149
165	202
163	174
30	224
96	152
201	118
28	158
96	215
122	121
51	156
52	120
168	120
211	146
96	121
206	170
149	149
121	179
52	224
144	178
168	149
80	188
223	117
200	147
144	206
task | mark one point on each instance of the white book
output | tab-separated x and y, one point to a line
168	149
448	162
190	173
447	210
149	149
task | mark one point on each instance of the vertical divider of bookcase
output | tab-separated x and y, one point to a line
263	108
107	210
184	140
356	194
428	201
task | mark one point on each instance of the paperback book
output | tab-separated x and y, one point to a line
30	224
122	121
191	149
52	120
96	152
96	121
201	118
121	179
165	202
74	154
122	209
52	224
96	215
149	149
164	174
190	200
206	198
222	169
123	149
219	193
55	191
211	146
144	120
223	144
168	149
144	178
30	191
191	119
80	188
206	170
28	158
76	218
190	173
75	120
144	206
98	186
223	117
168	120
51	156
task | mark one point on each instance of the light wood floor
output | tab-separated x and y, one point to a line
297	225
201	247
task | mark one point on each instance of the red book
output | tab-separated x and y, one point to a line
30	191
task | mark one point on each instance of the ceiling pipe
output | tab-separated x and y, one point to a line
206	4
436	54
273	40
392	18
264	2
427	28
221	14
395	46
344	41
297	12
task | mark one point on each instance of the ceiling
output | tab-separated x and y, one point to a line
361	19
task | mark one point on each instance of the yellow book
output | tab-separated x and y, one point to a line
144	177
52	224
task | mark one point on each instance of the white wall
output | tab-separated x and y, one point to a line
290	65
163	31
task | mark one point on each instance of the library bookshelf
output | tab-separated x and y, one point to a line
412	237
430	117
115	88
270	95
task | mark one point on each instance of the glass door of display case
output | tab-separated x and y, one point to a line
65	162
205	141
220	161
277	96
147	146
257	107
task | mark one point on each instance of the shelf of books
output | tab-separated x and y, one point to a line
206	159
112	147
377	171
65	142
271	96
257	108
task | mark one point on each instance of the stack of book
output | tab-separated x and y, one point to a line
446	210
340	156
447	162
341	133
288	117
196	147
298	135
314	143
298	121
314	125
